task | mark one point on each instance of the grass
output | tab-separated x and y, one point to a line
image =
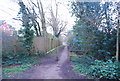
11	67
52	51
10	71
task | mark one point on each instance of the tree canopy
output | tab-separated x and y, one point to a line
95	28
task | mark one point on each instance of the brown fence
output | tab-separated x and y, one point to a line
11	44
42	44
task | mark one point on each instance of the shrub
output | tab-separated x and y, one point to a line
82	63
106	70
96	68
17	59
10	71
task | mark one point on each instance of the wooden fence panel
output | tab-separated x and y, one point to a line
42	44
10	44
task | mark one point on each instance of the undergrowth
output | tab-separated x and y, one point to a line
11	71
94	68
17	59
12	64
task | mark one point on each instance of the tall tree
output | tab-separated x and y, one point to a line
94	30
27	32
42	15
36	24
37	15
57	24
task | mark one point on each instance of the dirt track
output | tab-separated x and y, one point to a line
50	68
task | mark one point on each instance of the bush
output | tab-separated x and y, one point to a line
98	69
106	70
82	63
17	59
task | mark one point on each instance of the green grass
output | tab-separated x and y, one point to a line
17	64
10	71
52	51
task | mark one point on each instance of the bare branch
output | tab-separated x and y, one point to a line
34	3
17	19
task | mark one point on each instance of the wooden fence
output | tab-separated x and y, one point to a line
11	44
42	44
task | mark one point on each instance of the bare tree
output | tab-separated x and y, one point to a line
56	23
40	15
37	15
33	16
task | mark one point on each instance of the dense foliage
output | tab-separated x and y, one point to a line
27	33
17	59
94	35
96	69
108	69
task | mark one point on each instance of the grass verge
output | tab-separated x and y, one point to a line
54	49
17	65
12	70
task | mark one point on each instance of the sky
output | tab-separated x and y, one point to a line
9	10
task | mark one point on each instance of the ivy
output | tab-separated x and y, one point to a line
26	34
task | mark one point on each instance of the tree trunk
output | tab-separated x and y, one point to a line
38	28
117	41
35	27
43	22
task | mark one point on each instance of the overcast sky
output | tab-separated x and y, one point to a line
9	9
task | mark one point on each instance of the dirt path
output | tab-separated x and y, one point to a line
50	68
